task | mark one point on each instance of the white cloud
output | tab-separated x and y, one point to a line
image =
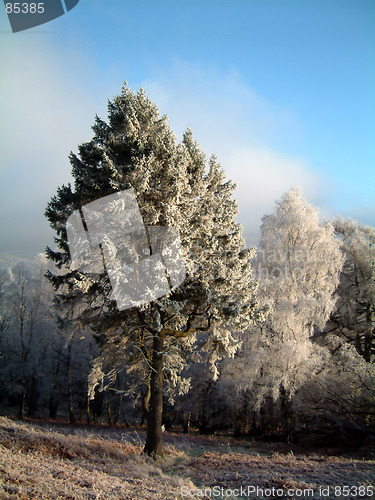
48	102
240	126
262	176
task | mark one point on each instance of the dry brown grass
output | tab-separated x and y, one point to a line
233	470
42	464
72	463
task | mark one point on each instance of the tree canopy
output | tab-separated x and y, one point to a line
354	316
298	265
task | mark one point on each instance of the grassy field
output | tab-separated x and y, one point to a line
45	461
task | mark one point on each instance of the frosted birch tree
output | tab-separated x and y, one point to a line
25	342
343	391
176	187
298	265
4	312
345	388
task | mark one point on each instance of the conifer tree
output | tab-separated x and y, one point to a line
175	187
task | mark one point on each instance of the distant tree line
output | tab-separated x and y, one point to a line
305	366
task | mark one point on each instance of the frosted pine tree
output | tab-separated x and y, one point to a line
174	187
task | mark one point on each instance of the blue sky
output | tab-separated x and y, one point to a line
282	90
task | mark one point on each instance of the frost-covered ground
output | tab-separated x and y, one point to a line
41	462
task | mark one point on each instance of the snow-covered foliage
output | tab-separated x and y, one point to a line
246	330
27	297
175	186
343	390
353	318
298	265
40	361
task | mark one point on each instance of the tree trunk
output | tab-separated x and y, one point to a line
237	423
72	418
246	423
369	335
145	403
52	405
118	409
88	410
186	426
21	412
287	415
154	440
109	414
254	426
33	396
